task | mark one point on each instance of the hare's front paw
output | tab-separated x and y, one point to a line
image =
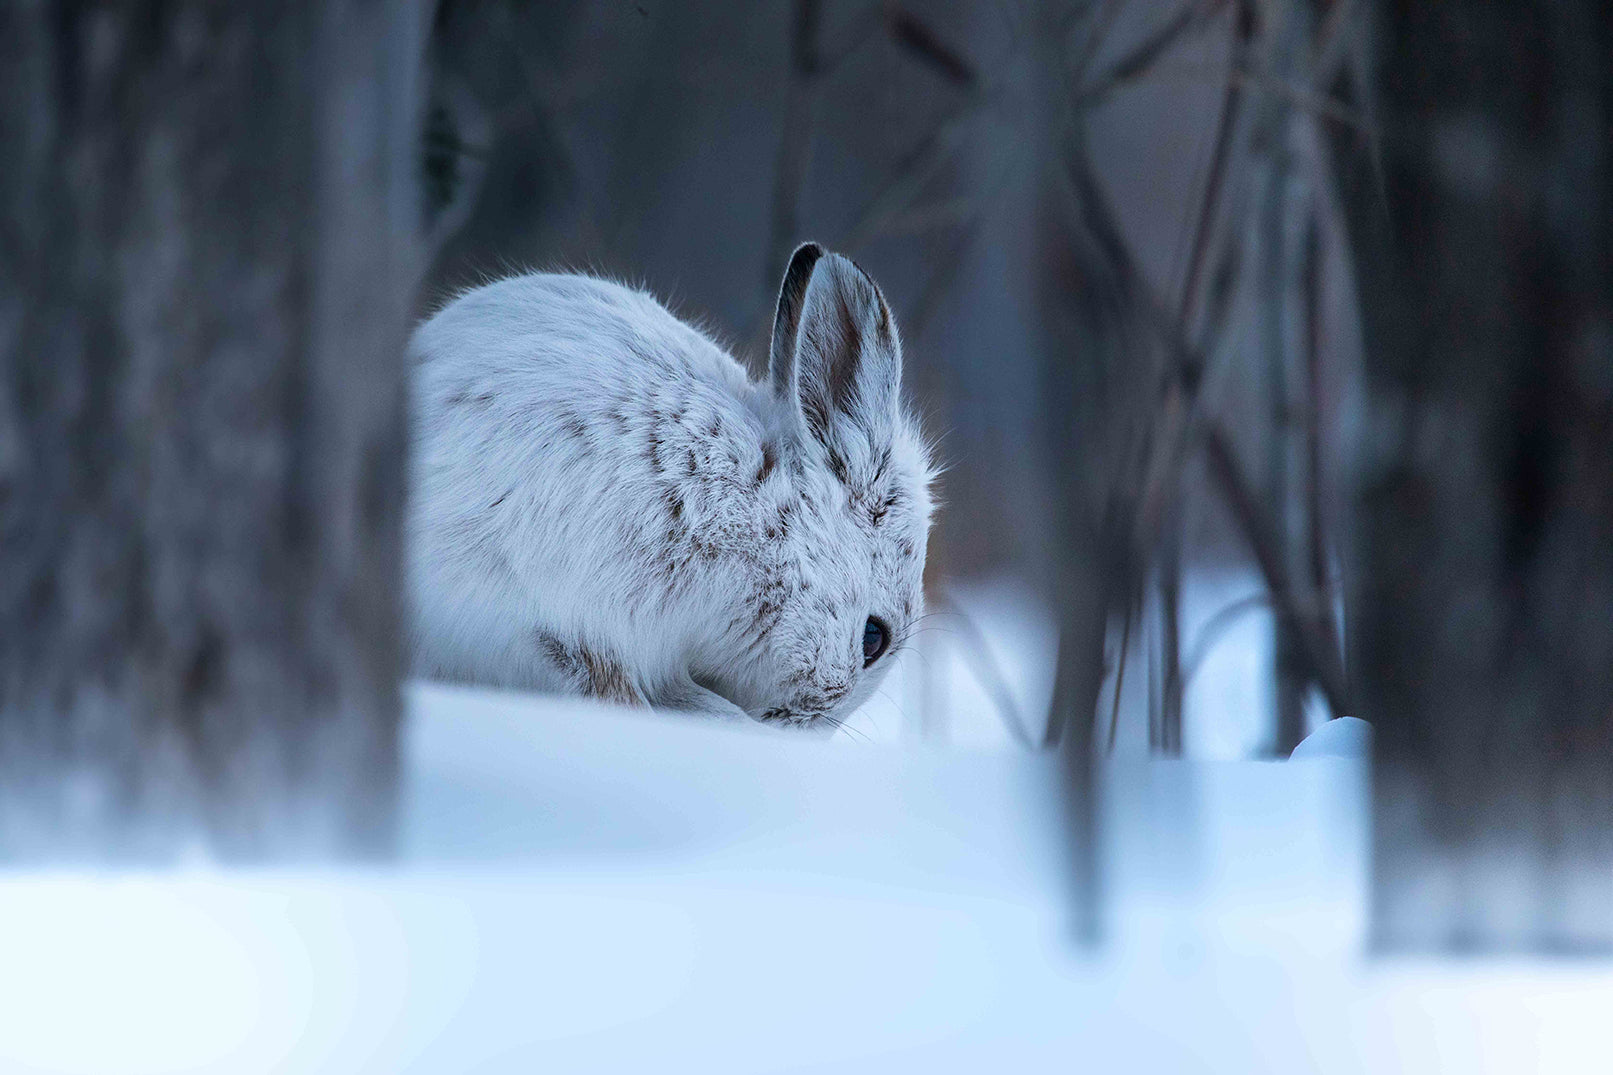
685	695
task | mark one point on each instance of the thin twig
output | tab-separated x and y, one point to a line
1154	704
1306	100
1315	632
1170	611
1209	634
1095	40
1333	42
1192	15
1315	531
1136	293
1161	485
531	84
861	30
796	142
1120	677
1178	418
917	317
1215	181
1317	636
914	36
981	662
911	175
943	213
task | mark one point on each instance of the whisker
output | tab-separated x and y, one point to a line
938	613
852	730
900	708
921	655
841	726
933	630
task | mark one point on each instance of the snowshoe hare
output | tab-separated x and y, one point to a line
603	503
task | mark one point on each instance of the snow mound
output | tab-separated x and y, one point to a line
1346	737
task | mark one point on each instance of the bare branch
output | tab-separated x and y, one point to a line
923	308
1192	16
1306	100
795	144
1215	182
1178	414
912	175
1170	612
1180	418
1218	623
1095	39
977	654
1316	558
1314	630
1120	676
925	45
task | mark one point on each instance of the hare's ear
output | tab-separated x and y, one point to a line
835	351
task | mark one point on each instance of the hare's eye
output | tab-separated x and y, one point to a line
875	638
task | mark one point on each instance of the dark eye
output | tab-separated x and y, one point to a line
875	638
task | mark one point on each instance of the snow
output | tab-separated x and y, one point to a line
582	889
1347	737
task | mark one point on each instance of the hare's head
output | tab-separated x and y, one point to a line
844	513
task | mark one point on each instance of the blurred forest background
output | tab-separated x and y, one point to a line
1268	343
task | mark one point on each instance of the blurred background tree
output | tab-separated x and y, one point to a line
209	246
1484	624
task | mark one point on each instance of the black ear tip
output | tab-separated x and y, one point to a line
801	262
791	296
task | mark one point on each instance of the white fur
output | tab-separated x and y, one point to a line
602	501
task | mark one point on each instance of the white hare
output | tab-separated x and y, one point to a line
604	504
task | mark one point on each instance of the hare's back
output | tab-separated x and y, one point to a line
552	412
557	335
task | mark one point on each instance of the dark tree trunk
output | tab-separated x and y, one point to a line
1484	625
205	268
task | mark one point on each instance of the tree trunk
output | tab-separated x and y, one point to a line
209	219
1484	625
